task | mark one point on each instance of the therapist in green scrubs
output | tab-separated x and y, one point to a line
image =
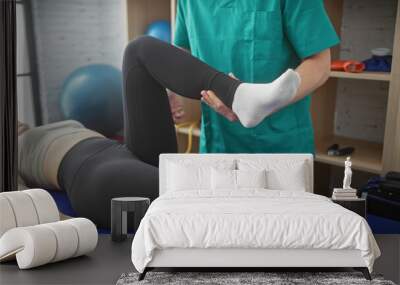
257	41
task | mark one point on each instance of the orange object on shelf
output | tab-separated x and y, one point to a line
348	66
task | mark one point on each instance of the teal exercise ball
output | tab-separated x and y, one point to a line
160	30
92	95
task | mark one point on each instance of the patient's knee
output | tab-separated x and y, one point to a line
136	49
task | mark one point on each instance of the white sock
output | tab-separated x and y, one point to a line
253	102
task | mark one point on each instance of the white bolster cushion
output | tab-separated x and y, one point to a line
87	235
26	208
66	237
40	244
23	208
32	246
7	219
45	205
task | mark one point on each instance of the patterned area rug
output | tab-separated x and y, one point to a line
243	278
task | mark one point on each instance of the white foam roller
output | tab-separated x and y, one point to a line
7	218
45	205
23	208
67	240
33	246
87	234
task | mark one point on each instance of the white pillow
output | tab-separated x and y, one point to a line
289	174
223	179
251	178
236	179
291	179
189	174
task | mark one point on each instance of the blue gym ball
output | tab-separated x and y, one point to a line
160	30
92	95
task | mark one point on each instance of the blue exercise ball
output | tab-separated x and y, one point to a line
92	95
160	30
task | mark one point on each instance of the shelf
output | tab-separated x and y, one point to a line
366	157
367	75
185	130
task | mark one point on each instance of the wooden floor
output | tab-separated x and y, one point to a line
103	266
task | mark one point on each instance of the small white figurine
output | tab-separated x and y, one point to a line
347	174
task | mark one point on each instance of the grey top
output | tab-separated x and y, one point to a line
42	149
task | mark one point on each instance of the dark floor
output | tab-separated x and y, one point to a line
110	259
102	266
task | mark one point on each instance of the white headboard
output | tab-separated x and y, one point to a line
165	157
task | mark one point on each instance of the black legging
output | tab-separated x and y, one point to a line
150	66
97	169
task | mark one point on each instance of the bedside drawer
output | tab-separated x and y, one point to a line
358	206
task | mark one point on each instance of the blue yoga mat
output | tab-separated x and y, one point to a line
64	206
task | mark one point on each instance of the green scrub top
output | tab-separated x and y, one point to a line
257	40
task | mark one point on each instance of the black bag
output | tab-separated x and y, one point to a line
393	176
387	208
383	198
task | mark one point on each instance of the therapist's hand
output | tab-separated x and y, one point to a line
209	97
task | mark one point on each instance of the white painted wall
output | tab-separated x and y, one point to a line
361	105
71	34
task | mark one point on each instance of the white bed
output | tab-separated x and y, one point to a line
248	227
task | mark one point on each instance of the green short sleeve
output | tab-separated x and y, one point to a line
181	38
308	27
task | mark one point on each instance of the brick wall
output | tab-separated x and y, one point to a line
74	33
360	104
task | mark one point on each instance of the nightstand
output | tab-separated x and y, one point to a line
357	205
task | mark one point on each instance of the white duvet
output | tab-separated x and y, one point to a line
250	219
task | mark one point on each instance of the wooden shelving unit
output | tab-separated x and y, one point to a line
369	157
378	76
140	13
